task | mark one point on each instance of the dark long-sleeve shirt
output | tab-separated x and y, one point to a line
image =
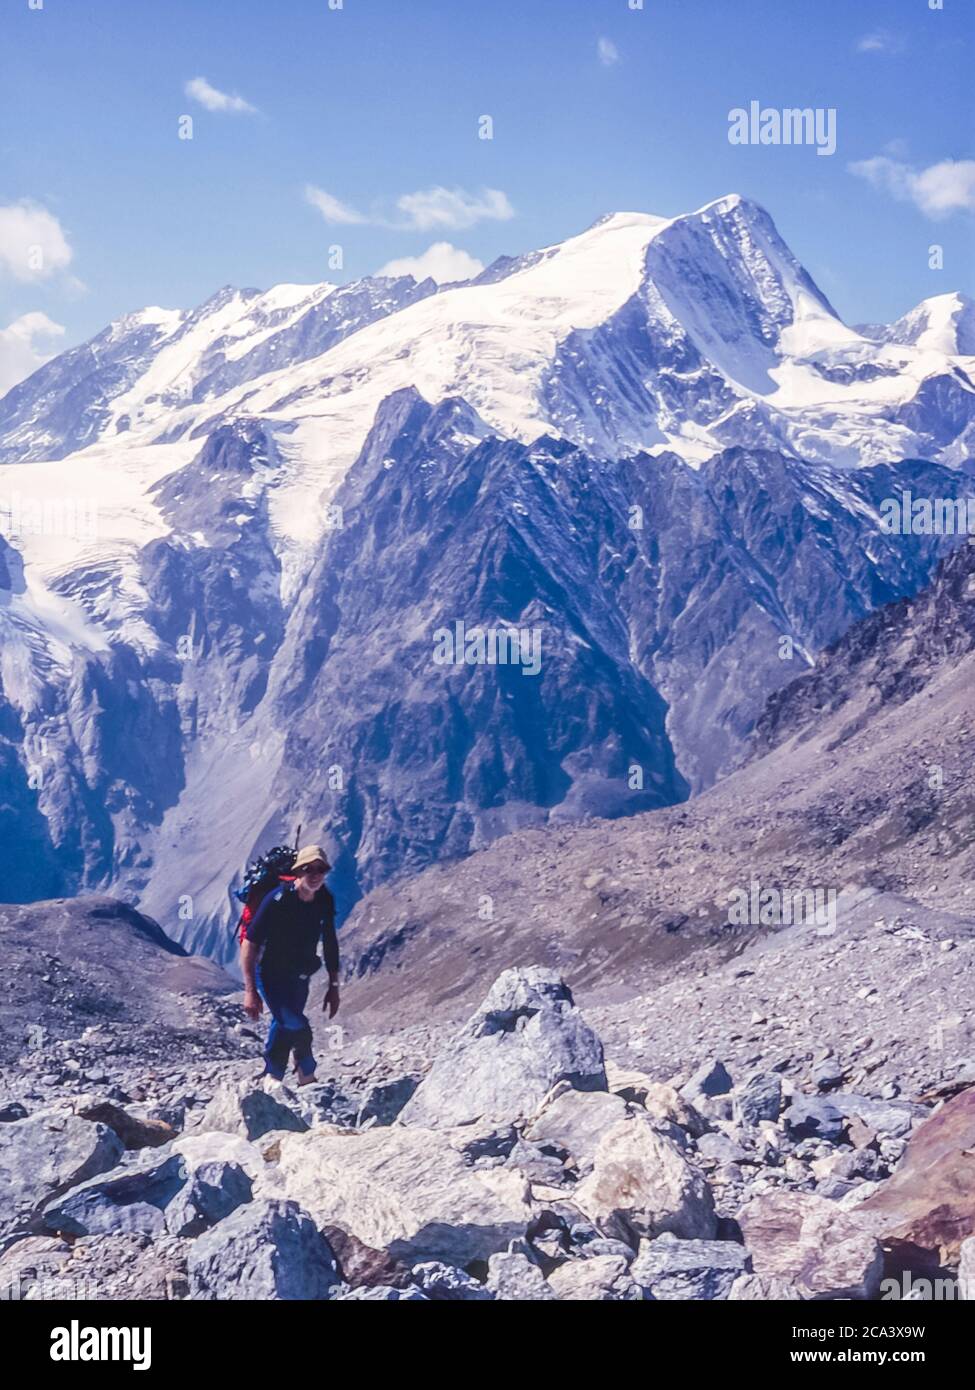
289	931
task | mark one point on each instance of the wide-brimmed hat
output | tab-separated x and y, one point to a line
309	855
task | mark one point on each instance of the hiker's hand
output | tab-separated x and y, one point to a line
253	1003
331	1000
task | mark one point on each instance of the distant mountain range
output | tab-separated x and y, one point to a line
655	445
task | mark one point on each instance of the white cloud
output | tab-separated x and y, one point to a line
608	52
32	242
20	353
453	208
938	191
441	208
214	100
880	41
332	209
441	262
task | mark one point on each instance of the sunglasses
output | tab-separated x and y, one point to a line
317	868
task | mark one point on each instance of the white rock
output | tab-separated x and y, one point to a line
641	1185
513	1278
526	1036
601	1279
407	1190
212	1146
576	1121
241	1106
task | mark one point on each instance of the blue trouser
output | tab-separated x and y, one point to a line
290	1030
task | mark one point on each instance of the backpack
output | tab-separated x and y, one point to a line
267	872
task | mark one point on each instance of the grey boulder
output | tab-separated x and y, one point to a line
720	1148
526	1036
711	1079
642	1185
808	1117
246	1109
884	1117
602	1279
383	1103
212	1192
45	1154
575	1121
513	1278
181	1192
266	1250
129	1198
760	1098
668	1268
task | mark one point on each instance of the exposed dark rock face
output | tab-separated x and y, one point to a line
63	405
891	656
644	579
859	782
220	599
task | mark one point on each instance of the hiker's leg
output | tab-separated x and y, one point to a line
290	1029
277	1049
304	1060
301	1034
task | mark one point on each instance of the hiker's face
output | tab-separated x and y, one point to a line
314	875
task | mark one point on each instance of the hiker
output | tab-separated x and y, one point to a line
279	955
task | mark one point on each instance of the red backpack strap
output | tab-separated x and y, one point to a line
244	921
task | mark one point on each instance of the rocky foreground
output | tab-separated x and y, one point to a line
516	1163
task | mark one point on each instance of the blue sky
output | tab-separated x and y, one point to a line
369	113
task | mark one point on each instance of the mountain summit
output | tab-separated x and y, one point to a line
689	333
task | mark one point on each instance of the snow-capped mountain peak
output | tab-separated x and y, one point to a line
642	332
943	323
